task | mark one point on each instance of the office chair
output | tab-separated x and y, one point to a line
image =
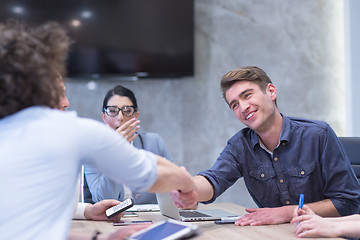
352	149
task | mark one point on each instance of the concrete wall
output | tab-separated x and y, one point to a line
299	43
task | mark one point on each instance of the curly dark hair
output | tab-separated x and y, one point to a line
31	60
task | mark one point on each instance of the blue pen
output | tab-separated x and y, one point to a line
301	201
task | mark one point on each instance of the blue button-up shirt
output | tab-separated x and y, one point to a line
309	160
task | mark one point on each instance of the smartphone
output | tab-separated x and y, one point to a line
115	210
125	223
227	220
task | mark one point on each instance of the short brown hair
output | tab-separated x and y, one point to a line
250	73
30	61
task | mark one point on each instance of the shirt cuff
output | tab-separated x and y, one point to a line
80	211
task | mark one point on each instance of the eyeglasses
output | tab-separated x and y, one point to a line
113	111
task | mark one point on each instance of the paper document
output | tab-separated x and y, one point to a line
144	208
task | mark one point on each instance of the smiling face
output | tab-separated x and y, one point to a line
120	119
252	106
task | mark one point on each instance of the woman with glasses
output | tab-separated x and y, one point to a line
120	112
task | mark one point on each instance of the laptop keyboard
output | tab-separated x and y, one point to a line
190	213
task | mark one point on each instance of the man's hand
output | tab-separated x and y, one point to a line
266	216
97	211
128	129
203	191
185	200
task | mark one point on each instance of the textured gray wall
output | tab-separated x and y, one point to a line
299	43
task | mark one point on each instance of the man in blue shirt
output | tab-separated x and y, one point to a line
278	157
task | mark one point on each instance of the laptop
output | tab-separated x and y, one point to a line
168	209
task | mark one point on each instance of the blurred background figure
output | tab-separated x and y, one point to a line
120	112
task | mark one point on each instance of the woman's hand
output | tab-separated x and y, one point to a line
128	129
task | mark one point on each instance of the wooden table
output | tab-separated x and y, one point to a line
208	230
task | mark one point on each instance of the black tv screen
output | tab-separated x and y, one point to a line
118	38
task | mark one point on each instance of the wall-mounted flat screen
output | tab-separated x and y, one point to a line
142	38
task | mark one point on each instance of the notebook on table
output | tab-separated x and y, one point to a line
168	209
144	208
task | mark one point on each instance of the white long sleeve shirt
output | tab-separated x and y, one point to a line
41	151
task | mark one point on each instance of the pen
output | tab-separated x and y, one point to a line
301	201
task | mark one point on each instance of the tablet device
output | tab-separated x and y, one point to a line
168	229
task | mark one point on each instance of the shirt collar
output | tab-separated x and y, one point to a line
284	135
262	145
286	129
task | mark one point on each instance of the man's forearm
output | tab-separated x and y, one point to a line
170	177
204	188
324	208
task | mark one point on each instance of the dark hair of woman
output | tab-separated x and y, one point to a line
120	91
